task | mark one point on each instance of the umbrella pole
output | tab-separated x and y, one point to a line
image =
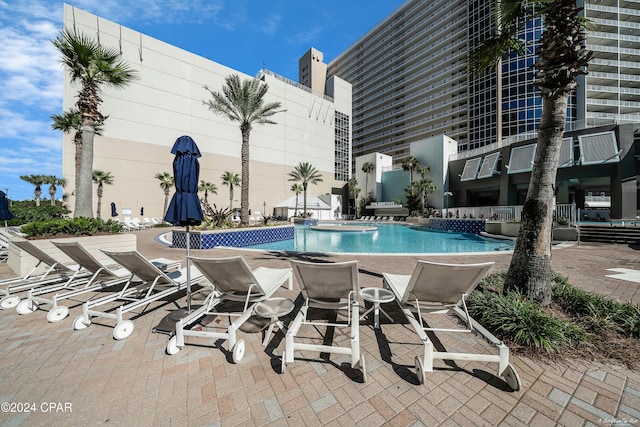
188	273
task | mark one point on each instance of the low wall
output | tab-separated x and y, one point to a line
511	229
21	262
207	239
473	226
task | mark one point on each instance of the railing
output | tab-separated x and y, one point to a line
507	213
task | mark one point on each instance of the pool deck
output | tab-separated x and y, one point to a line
87	378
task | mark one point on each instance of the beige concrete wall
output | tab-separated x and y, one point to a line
166	102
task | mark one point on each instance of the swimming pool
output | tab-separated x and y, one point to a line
389	239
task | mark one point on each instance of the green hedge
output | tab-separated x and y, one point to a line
74	227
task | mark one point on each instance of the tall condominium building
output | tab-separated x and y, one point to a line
410	80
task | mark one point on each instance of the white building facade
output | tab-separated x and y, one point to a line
166	101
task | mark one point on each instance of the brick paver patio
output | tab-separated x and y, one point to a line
52	375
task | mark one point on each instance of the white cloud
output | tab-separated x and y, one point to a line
159	11
307	37
271	24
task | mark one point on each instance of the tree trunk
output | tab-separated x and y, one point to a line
99	193
84	193
166	203
99	207
231	197
77	140
530	269
304	200
244	186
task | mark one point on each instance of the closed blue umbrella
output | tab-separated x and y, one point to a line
184	209
5	213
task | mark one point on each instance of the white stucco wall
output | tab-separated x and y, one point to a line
166	102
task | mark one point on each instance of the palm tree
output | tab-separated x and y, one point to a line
307	174
354	191
71	121
367	168
297	190
53	182
166	182
92	66
561	58
207	187
36	180
424	186
101	178
243	102
231	179
410	163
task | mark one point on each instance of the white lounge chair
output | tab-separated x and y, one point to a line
333	287
100	279
56	273
142	225
231	280
435	288
146	284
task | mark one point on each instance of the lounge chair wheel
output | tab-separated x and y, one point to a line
9	301
57	313
237	352
511	377
172	346
26	307
79	323
123	330
420	370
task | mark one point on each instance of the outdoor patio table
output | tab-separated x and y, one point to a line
377	296
274	308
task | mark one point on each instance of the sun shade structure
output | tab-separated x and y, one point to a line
566	153
489	166
470	170
598	148
521	159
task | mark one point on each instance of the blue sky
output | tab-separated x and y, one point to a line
246	35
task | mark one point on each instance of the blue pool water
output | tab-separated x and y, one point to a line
388	238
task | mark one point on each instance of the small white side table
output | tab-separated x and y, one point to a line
376	296
273	308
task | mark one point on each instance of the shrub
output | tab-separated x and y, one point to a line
520	320
596	312
25	213
217	217
75	227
